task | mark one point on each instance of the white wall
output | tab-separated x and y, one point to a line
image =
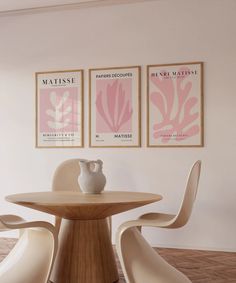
151	32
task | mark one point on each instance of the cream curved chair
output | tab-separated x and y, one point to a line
31	259
139	261
66	178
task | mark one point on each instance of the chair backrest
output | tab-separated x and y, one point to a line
189	197
66	176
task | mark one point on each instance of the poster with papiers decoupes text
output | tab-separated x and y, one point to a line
114	107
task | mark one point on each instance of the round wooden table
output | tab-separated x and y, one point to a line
85	253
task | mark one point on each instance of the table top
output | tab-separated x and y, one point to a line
77	205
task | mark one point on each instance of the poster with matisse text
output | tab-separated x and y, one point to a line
59	109
115	107
175	105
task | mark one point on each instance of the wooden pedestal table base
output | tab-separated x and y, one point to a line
85	254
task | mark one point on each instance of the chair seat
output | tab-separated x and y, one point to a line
9	220
157	219
144	264
31	259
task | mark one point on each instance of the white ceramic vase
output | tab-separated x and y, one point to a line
91	178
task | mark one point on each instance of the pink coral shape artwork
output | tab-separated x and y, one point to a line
177	106
114	105
58	110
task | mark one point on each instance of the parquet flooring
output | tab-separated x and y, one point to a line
203	266
199	266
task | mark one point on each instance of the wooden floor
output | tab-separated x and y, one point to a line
203	266
199	266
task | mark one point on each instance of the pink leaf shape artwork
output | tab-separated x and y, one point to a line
101	110
177	122
111	100
113	105
158	100
166	87
126	115
59	110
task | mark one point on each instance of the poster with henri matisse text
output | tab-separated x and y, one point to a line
175	105
115	107
59	109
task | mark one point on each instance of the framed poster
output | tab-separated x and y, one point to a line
114	107
59	109
175	105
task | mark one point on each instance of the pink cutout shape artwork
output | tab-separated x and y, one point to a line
179	122
113	106
58	110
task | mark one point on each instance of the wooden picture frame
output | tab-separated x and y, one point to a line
114	107
59	109
175	105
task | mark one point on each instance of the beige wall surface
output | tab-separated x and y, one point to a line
149	32
14	5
